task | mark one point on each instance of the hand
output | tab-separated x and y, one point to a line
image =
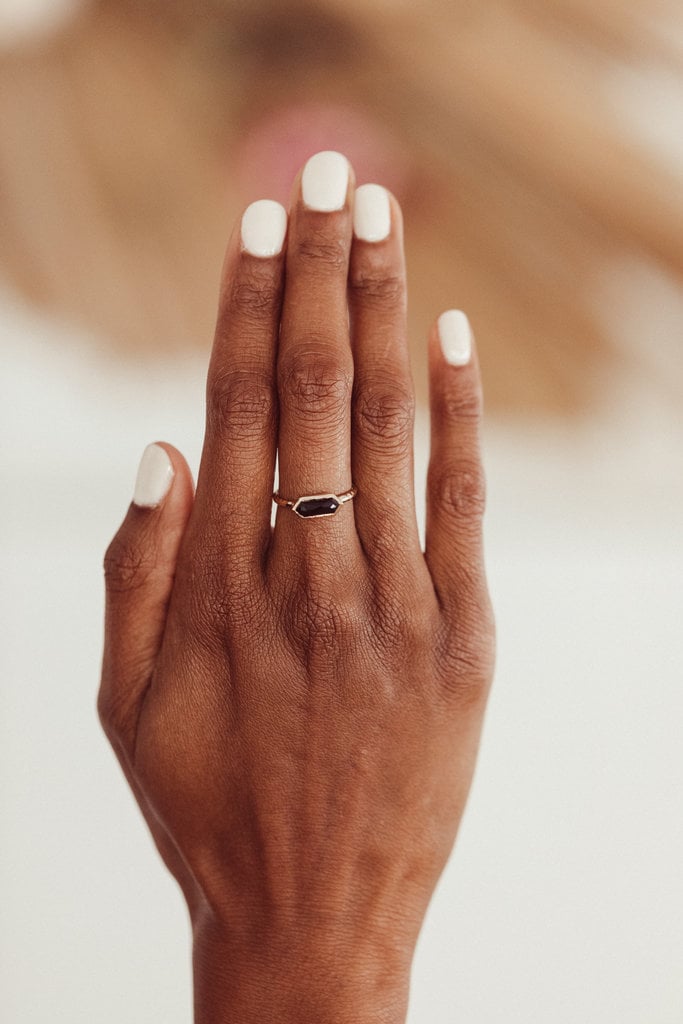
297	709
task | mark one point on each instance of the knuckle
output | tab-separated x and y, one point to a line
387	546
210	589
241	403
112	713
317	251
384	412
252	297
467	658
454	407
403	633
208	598
247	619
127	565
118	703
375	288
320	624
458	490
105	710
316	385
223	595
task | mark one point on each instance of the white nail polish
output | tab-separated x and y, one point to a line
371	213
154	478
264	225
325	181
455	335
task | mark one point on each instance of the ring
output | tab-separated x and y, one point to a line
309	506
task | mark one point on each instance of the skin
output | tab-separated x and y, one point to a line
298	709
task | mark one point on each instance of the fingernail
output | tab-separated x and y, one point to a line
325	182
455	335
264	225
154	478
371	213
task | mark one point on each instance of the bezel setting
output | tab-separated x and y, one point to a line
301	508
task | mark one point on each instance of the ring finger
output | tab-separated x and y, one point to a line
383	391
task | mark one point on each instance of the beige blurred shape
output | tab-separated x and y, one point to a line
525	182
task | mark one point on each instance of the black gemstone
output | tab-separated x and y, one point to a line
326	505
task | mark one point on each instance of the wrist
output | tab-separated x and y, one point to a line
310	977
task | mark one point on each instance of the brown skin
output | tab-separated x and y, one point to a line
298	708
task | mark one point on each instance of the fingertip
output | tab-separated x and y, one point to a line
453	357
377	273
377	215
455	337
154	477
263	228
371	214
455	387
161	469
325	184
256	246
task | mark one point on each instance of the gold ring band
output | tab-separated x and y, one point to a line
315	506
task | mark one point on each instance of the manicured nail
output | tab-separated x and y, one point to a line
154	478
325	181
371	213
455	335
264	225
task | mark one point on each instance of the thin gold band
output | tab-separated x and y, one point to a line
341	498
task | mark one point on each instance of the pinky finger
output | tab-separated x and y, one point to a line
455	478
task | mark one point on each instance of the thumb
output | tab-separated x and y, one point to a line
139	569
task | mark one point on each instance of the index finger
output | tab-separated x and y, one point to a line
233	500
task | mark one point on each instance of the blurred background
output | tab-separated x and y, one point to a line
537	149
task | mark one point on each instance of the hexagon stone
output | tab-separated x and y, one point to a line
316	505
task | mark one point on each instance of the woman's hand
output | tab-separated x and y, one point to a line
298	709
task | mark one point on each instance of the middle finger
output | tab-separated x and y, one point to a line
315	362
